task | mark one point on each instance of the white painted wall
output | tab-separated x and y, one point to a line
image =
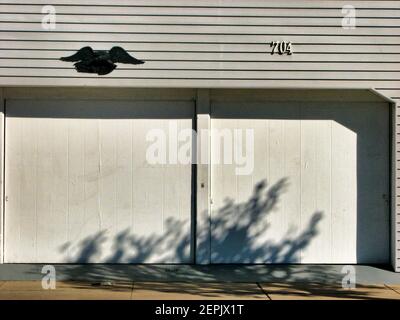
187	43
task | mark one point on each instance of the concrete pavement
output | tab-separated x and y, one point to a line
181	282
74	290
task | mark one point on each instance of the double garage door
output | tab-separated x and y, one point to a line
79	186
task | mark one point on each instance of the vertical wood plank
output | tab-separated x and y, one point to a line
187	249
344	194
292	194
277	215
308	175
28	212
44	188
13	178
76	188
60	182
225	188
107	182
315	190
322	245
260	177
93	217
245	182
124	177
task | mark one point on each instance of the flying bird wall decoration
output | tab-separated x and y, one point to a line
101	62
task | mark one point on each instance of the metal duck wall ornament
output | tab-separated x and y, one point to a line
100	61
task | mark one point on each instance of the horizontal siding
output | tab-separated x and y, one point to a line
327	4
204	29
87	19
213	56
201	74
65	12
210	43
14	80
248	48
44	36
306	66
204	40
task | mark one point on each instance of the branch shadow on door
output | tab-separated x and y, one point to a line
239	230
233	236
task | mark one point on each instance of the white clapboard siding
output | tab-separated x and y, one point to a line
211	56
262	66
123	20
225	3
196	47
230	31
199	38
329	164
201	74
248	48
204	74
201	29
199	83
79	187
243	11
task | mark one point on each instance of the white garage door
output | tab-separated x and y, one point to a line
319	189
79	188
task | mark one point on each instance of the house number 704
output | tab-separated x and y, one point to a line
281	47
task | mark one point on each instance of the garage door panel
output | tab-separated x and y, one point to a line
323	167
81	189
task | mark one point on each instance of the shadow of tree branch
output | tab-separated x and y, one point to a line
233	241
